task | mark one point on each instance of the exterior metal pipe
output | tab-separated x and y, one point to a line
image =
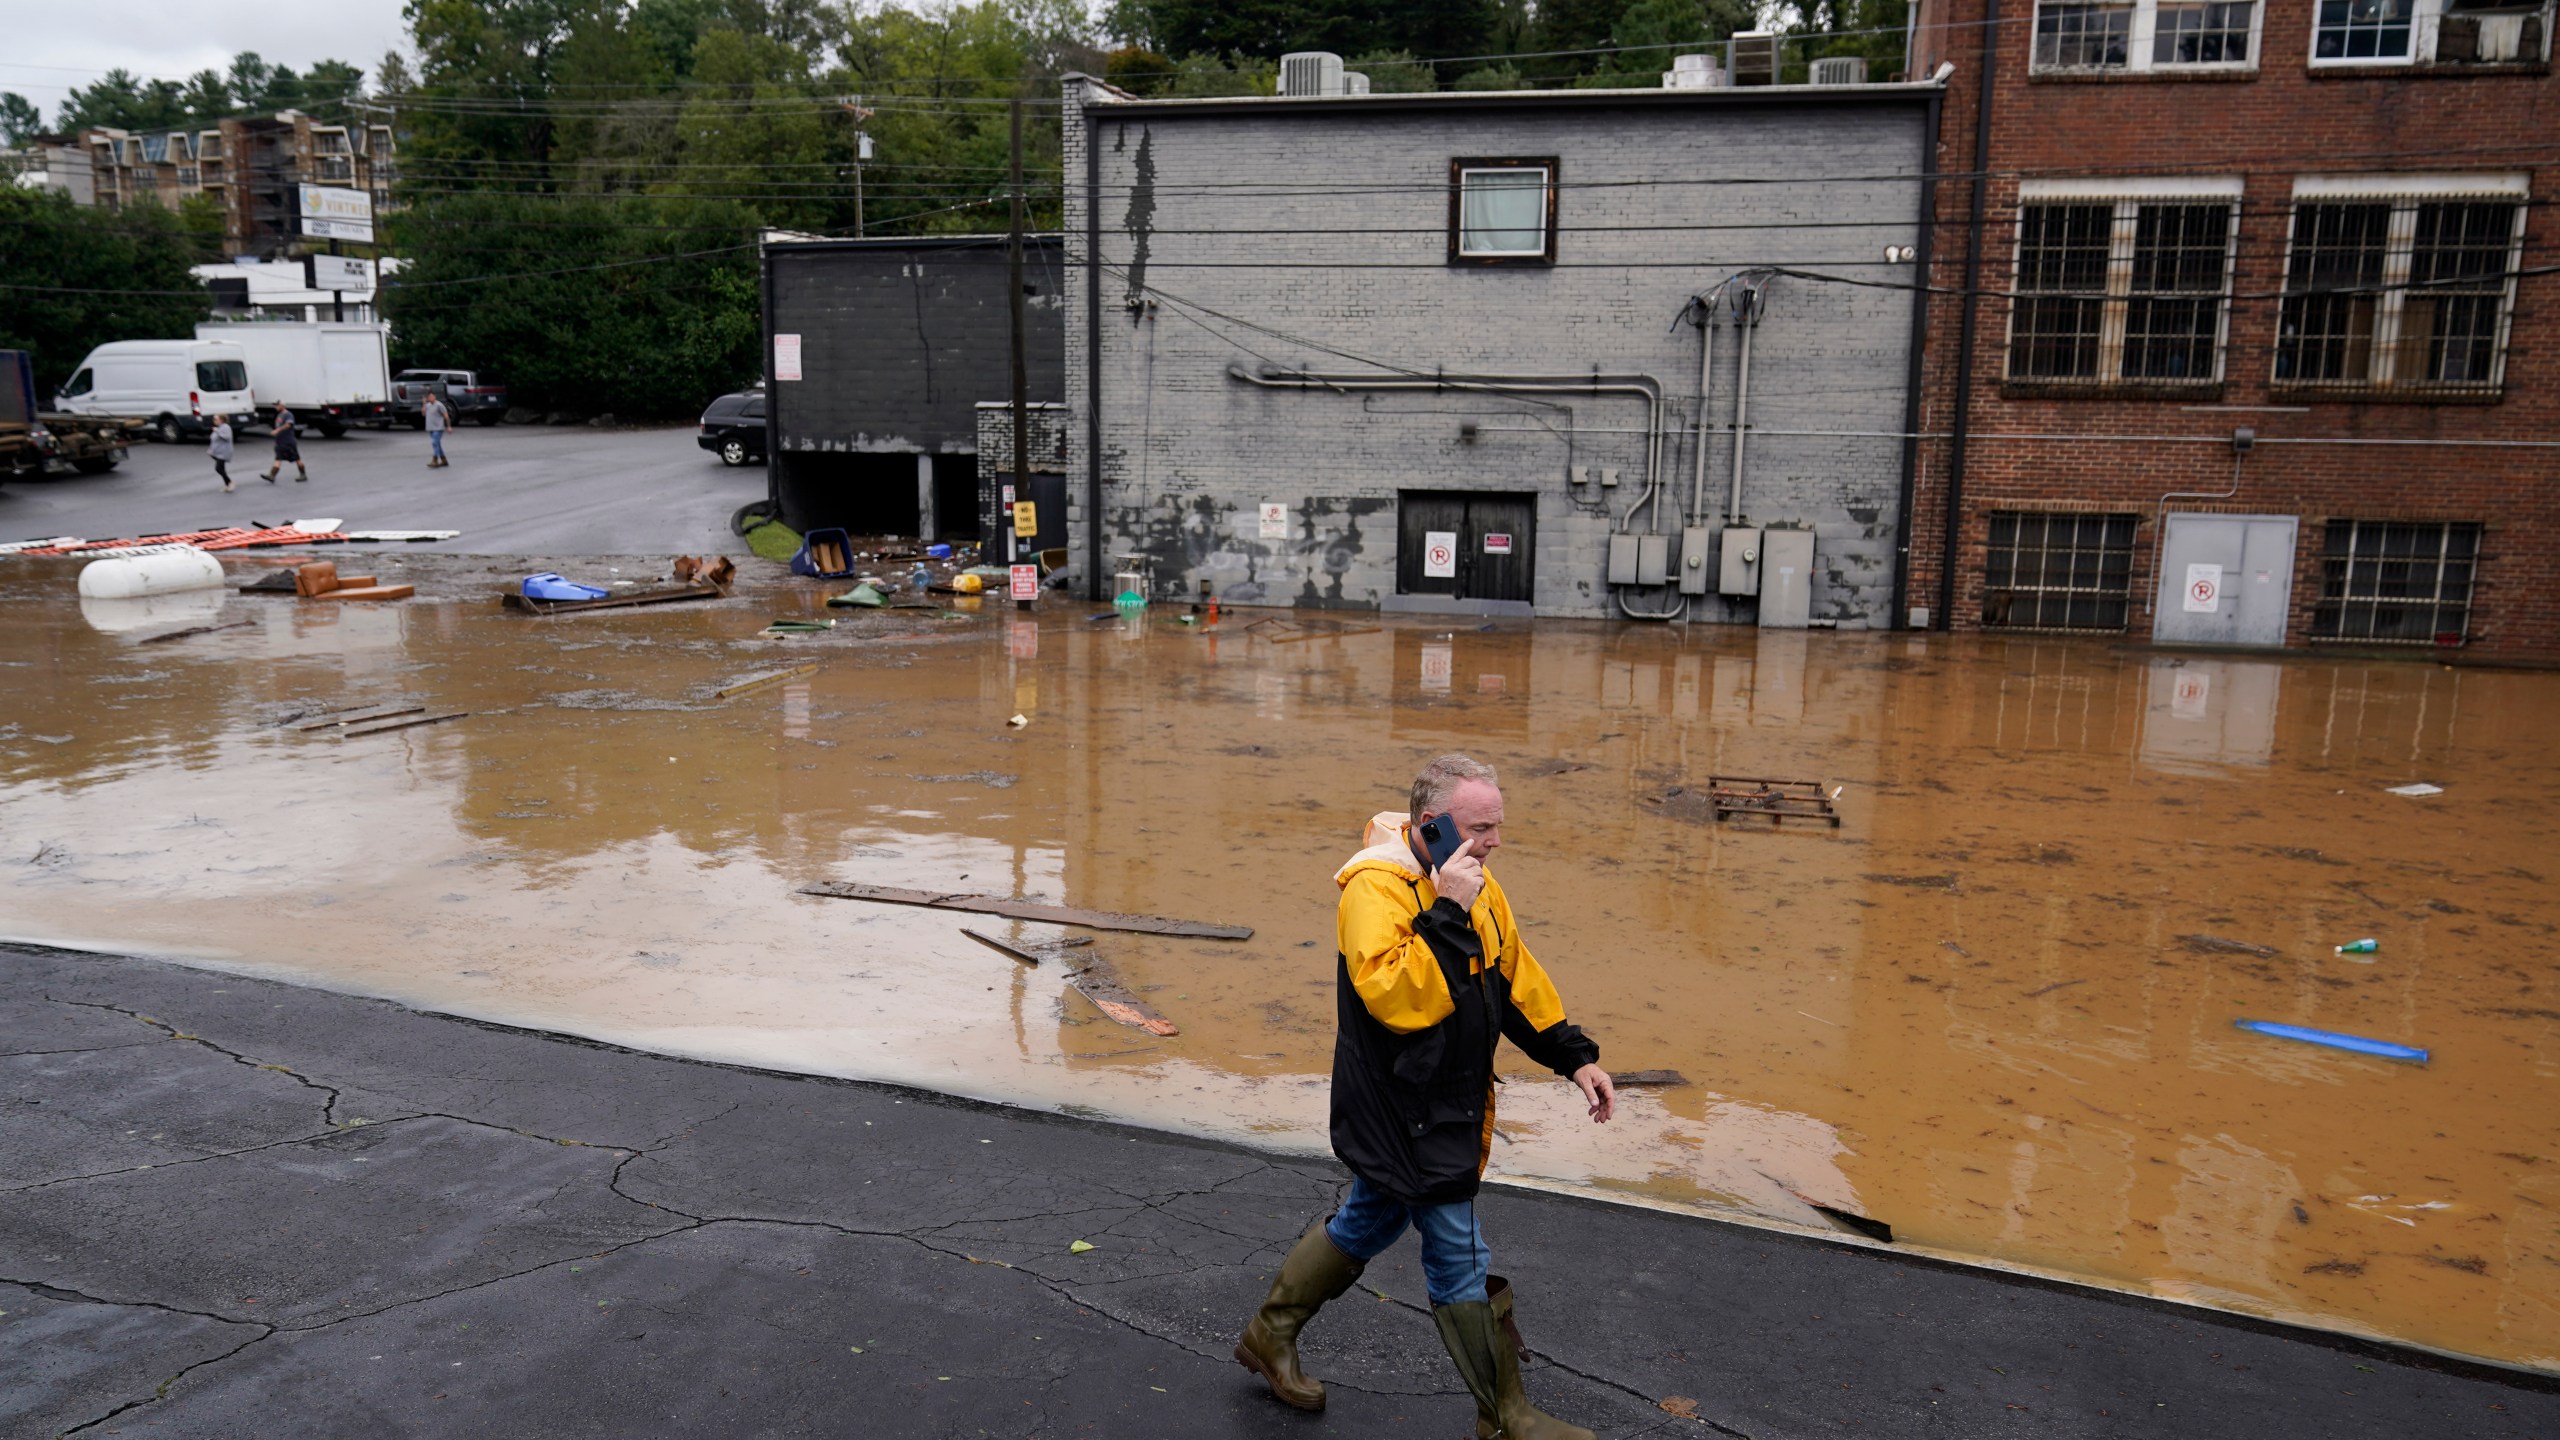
1706	383
1644	387
1094	581
1746	318
1916	375
1986	87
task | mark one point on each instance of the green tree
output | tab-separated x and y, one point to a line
589	304
1870	29
751	131
20	120
1392	72
110	275
1650	32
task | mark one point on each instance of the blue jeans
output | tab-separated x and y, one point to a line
1454	1257
435	439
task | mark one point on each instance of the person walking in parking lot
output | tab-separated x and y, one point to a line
288	446
438	420
219	447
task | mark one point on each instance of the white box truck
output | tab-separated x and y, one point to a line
176	385
332	374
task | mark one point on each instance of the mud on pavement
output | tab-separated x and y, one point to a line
1994	1008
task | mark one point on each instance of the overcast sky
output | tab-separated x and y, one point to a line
53	47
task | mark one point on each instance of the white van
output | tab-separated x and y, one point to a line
177	385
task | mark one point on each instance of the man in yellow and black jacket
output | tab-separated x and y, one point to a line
1432	973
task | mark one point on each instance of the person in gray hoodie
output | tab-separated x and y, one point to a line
219	447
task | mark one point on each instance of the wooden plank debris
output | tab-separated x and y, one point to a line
1780	800
358	716
1027	957
740	687
1015	909
402	723
1099	981
517	600
192	630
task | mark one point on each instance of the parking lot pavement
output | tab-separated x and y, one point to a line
564	490
234	1207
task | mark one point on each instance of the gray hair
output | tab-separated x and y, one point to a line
1440	779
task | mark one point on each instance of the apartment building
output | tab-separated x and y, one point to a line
250	165
2244	333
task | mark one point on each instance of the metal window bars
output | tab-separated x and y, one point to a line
2396	582
2409	293
2058	571
2121	291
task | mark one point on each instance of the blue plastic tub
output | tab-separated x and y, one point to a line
807	563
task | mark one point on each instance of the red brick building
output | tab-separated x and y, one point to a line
2263	307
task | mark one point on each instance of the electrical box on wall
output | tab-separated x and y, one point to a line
1786	579
1693	560
1740	572
1653	559
1622	559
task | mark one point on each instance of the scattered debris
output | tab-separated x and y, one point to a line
552	585
1853	1223
1018	721
2216	944
514	600
320	580
860	597
1098	980
1780	800
192	630
357	716
1917	882
1025	956
1028	910
824	555
1078	1247
402	723
2416	789
405	537
1950	944
274	582
1680	1405
798	627
693	569
2056	985
740	687
2365	946
2336	1041
229	537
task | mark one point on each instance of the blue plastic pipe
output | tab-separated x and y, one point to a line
2336	1041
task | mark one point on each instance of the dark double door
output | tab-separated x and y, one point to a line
1487	542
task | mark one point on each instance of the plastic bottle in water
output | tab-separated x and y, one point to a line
2358	947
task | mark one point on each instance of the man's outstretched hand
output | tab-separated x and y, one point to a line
1598	1092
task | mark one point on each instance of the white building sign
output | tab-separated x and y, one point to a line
786	357
2204	589
337	272
1440	554
331	212
1275	520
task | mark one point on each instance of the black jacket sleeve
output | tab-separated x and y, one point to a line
1561	1047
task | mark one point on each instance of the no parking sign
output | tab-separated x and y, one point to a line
1440	554
2204	588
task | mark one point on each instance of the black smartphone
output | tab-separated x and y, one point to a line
1440	840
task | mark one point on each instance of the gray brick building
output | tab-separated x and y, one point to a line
879	353
1440	351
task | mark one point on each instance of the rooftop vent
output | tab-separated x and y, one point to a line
1693	72
1839	70
1311	72
1753	57
1354	83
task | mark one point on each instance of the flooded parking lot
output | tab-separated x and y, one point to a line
1994	1008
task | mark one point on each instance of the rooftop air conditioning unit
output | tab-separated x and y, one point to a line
1752	56
1693	72
1311	72
1354	83
1839	70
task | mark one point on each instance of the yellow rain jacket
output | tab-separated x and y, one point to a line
1423	991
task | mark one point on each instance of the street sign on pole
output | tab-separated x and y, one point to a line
337	272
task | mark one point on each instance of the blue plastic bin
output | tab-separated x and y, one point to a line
805	563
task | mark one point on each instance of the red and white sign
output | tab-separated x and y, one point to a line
1438	663
786	357
2204	589
1440	554
1497	544
1026	582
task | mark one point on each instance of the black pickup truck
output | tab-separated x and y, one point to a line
465	393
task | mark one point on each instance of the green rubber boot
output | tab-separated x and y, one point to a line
1315	1272
1486	1348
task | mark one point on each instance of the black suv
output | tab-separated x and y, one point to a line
733	428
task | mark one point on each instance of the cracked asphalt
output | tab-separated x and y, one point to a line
234	1207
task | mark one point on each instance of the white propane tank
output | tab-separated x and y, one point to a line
122	577
152	612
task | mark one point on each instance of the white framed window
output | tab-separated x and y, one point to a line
2430	32
2400	283
2143	36
2123	282
1502	212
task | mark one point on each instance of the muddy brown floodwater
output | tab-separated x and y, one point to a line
1994	1008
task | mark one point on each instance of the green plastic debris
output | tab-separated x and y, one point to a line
799	627
861	595
1078	1248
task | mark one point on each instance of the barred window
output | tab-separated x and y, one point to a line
2058	572
2115	291
2396	582
2400	293
2213	33
2073	36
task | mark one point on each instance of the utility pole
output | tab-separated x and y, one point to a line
1021	404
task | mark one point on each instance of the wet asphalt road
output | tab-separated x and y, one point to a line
233	1207
530	490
